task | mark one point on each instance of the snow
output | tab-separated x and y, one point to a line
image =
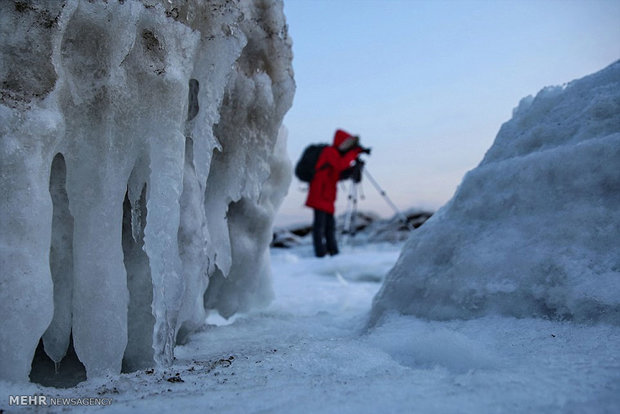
143	162
533	230
310	351
140	145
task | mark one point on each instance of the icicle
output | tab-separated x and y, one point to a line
117	144
136	221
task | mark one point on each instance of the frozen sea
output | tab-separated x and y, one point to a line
310	352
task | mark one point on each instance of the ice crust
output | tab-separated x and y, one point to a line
140	161
534	229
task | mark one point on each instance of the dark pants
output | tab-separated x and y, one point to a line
324	234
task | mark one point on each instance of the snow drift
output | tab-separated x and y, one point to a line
534	229
140	172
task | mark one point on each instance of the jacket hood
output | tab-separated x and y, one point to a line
340	136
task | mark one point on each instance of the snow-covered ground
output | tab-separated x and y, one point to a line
310	352
517	275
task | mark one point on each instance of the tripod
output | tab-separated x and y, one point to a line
381	191
349	221
351	212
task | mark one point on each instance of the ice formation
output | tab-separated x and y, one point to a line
534	229
141	170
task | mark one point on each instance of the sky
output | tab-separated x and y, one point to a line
427	84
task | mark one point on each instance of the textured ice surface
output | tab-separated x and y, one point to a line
307	352
136	139
534	229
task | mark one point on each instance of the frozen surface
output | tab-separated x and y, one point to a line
533	230
134	135
309	352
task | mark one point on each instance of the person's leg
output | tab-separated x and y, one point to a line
330	235
318	232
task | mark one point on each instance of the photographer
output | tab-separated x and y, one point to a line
332	162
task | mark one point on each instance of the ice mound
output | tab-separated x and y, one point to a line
141	169
534	229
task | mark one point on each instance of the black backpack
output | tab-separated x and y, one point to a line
304	169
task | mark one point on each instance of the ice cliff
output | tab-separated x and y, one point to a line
534	230
142	165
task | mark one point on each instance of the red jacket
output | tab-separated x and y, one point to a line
322	192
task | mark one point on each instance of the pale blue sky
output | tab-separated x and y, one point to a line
427	84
